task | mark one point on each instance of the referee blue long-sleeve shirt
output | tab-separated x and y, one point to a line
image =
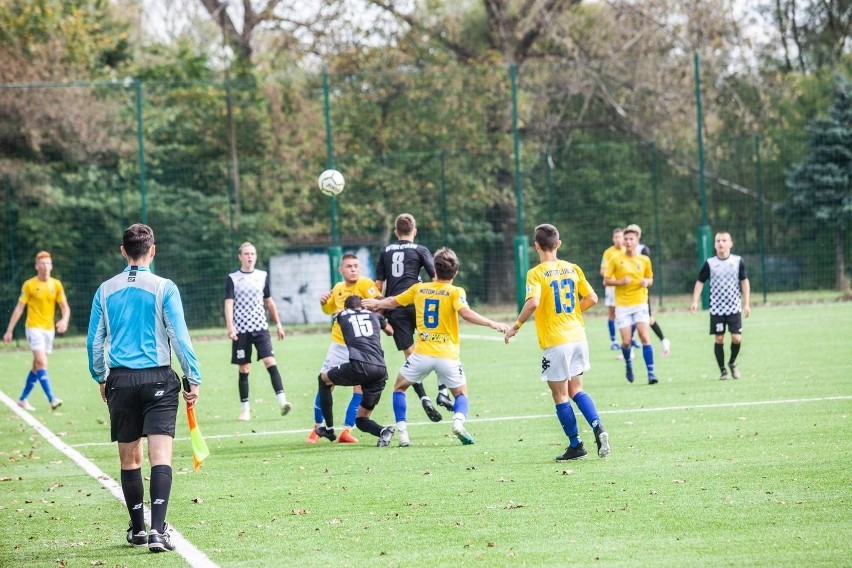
136	320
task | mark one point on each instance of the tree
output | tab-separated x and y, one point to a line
819	190
810	33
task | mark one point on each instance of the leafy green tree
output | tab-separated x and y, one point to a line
820	194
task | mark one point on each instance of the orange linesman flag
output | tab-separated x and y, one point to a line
199	446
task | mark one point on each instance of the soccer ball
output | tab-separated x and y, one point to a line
331	182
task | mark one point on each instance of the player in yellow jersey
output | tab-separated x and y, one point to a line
632	275
332	302
39	295
609	291
558	294
438	305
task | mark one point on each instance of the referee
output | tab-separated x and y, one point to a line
136	320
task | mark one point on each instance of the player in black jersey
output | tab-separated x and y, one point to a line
366	367
247	299
398	269
730	292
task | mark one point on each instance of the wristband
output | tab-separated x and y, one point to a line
519	324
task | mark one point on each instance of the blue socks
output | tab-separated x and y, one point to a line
587	407
461	404
318	417
399	406
565	414
648	355
611	324
352	410
32	379
45	383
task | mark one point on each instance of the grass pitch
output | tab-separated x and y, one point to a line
702	472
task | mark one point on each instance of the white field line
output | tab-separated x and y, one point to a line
540	416
190	553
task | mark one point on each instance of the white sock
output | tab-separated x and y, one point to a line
244	406
401	425
282	398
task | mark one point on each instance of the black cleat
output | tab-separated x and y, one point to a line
136	539
158	542
575	453
444	400
327	433
385	436
735	371
724	374
430	410
602	441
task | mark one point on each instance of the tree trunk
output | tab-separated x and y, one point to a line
841	281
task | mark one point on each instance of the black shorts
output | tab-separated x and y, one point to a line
241	348
372	379
404	321
142	402
733	322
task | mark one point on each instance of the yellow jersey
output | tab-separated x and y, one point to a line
609	254
559	286
636	267
363	287
41	298
437	305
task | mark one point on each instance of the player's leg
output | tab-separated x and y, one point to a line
717	329
374	383
325	385
29	384
133	489
408	375
565	415
642	319
263	342
41	346
346	436
666	345
624	322
451	373
735	326
126	428
647	350
241	355
335	356
578	363
609	301
160	416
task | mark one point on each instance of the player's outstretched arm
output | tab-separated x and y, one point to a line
473	317
526	312
383	304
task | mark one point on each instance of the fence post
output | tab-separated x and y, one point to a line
443	186
140	149
335	252
522	260
704	237
658	263
761	237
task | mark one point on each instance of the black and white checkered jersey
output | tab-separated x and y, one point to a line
248	290
725	276
399	266
362	334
